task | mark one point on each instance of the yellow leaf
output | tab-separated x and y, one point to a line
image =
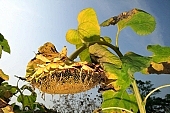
63	52
42	58
158	67
3	75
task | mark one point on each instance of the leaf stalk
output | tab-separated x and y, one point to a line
117	108
86	45
117	37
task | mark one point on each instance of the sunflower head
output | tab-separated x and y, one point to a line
49	73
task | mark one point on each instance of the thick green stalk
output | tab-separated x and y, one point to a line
77	52
138	97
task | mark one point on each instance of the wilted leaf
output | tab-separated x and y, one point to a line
7	109
110	21
160	54
88	28
118	99
140	21
157	68
4	44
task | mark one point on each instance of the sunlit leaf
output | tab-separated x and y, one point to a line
104	55
140	21
4	44
89	32
85	55
87	15
7	109
88	28
160	53
119	99
3	75
73	37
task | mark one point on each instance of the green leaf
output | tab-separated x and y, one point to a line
6	90
3	75
160	53
88	28
134	62
140	21
116	79
84	55
29	88
27	100
118	76
106	38
0	51
4	44
119	99
104	55
123	76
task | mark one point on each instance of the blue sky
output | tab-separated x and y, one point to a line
29	24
